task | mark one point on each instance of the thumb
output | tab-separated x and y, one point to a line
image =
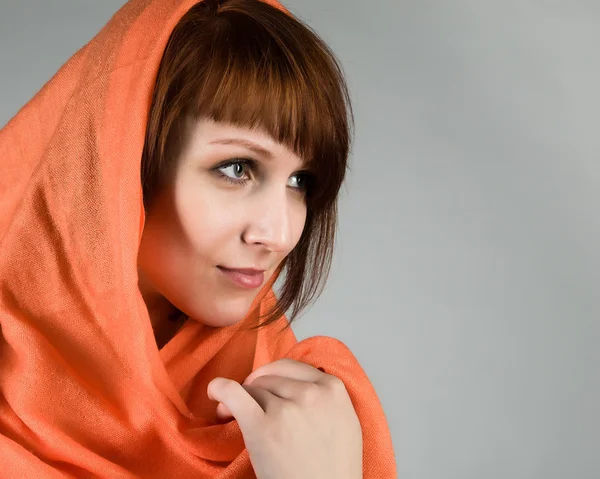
223	412
239	403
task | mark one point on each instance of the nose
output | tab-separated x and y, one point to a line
270	221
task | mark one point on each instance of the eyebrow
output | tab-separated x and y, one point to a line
250	145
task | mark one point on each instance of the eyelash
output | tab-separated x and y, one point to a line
242	161
252	164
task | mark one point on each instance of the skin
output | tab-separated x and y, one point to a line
202	221
296	420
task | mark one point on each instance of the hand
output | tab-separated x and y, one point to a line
297	422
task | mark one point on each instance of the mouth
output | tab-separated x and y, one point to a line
248	278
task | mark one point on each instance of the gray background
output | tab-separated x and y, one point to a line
468	270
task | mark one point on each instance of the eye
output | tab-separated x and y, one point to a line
237	171
301	181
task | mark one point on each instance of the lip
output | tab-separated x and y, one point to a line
248	278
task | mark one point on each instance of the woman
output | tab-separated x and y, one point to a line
152	193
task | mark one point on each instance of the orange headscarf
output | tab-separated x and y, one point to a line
85	391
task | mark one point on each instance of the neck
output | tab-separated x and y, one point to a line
165	318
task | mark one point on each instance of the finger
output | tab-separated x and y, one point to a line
282	387
223	412
240	403
263	396
288	368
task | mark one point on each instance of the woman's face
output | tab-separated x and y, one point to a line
236	201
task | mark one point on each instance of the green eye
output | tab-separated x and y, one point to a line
235	171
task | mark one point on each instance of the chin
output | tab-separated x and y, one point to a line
218	322
222	315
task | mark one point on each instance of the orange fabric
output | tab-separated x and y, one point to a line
85	391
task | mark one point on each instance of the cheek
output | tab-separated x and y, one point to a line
209	233
207	224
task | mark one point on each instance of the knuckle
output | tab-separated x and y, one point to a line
335	385
286	361
309	393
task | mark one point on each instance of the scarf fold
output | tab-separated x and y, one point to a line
84	389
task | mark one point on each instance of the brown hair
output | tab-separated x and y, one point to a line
248	63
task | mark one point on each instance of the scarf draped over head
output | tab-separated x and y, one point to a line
84	389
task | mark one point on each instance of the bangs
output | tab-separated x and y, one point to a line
284	81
